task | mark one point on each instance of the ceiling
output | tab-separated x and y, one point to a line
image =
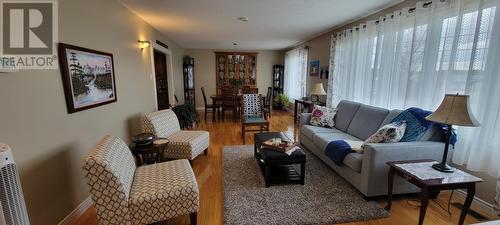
273	24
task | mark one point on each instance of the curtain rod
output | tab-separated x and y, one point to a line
410	10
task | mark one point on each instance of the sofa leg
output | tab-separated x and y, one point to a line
191	162
205	152
193	217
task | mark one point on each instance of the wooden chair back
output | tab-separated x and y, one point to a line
204	96
250	90
269	96
228	97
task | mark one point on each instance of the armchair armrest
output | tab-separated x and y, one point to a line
304	119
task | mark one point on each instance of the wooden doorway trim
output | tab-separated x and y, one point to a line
170	75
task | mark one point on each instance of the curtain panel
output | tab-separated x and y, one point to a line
295	73
413	57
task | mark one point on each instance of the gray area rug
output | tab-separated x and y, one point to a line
326	198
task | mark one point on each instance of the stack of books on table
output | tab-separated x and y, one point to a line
277	144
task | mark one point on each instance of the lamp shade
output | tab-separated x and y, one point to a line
318	89
454	110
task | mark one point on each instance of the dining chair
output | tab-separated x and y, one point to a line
229	101
268	102
209	108
252	114
250	90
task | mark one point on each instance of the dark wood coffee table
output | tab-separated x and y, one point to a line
277	167
417	175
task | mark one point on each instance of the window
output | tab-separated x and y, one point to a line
295	73
465	43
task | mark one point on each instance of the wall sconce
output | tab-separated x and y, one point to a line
143	44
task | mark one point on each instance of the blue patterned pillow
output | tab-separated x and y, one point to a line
416	124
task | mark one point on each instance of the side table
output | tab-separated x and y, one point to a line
305	103
421	174
149	154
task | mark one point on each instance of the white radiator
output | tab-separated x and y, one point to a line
12	206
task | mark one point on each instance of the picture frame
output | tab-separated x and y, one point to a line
314	68
88	77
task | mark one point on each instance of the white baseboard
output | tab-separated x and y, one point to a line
73	216
476	203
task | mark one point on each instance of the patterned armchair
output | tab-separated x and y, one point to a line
124	194
252	114
182	144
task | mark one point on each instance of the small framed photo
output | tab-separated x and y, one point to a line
88	77
314	68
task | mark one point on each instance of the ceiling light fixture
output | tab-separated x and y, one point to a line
243	19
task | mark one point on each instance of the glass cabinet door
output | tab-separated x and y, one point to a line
251	70
221	68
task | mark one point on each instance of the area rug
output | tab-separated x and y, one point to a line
326	198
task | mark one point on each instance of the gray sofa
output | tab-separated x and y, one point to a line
368	171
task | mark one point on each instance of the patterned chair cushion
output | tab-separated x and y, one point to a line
161	123
187	144
162	191
251	106
109	169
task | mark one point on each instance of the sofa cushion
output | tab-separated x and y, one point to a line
310	130
367	121
322	139
345	113
354	161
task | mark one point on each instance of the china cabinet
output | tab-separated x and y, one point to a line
236	69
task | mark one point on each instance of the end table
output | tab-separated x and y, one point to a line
151	153
421	174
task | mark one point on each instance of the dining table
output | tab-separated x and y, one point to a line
217	100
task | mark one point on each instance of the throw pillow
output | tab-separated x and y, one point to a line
416	124
389	133
323	116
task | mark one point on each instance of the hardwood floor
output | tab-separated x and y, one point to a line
208	170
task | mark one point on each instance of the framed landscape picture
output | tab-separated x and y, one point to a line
314	68
88	77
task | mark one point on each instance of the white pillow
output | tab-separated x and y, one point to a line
390	133
323	116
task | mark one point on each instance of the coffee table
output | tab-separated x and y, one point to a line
278	167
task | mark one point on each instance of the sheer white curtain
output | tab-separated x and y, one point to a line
414	57
295	72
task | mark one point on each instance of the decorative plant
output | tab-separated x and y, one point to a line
283	99
186	114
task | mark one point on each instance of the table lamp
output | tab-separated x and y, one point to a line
454	110
317	91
